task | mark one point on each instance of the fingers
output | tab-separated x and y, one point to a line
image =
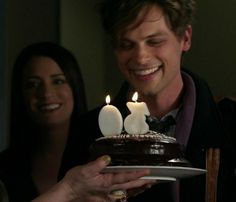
130	180
134	184
124	177
95	167
135	191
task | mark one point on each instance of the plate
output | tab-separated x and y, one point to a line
162	173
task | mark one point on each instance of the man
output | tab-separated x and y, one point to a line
149	39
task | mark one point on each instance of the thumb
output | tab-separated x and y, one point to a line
95	167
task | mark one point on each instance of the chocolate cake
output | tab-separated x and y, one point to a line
150	149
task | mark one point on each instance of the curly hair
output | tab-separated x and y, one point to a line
117	15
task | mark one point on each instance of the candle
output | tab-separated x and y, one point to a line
135	123
110	120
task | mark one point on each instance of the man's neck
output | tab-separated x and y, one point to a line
165	101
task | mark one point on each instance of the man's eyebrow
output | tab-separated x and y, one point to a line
153	35
55	75
158	34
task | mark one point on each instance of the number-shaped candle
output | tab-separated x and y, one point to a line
110	120
135	123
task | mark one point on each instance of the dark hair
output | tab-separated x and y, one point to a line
117	15
19	119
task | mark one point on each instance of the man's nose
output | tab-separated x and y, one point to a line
142	55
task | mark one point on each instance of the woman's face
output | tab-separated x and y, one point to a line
47	94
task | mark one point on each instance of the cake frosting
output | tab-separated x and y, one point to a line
149	149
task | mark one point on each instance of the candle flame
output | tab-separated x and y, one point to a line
135	97
108	99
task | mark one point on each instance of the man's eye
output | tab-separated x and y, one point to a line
59	81
125	45
155	42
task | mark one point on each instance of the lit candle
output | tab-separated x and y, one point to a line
135	123
110	120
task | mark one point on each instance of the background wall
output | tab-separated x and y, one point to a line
27	22
81	32
3	135
213	52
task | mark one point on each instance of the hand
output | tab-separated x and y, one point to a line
87	183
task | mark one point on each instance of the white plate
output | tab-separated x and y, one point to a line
163	173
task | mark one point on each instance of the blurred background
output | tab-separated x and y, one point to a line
75	24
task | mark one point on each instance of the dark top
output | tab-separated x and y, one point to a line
208	130
15	174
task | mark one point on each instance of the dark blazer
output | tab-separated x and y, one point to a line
208	130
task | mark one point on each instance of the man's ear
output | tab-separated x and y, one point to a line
187	38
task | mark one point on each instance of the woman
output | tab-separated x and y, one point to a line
47	97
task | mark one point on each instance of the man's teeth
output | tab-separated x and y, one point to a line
49	107
146	71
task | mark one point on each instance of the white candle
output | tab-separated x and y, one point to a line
110	120
135	123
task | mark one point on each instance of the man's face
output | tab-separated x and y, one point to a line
149	55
